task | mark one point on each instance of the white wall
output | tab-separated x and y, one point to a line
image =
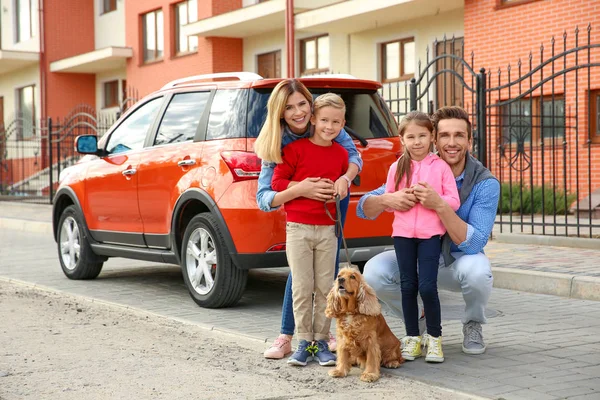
109	28
9	27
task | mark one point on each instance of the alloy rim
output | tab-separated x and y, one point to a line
70	243
201	261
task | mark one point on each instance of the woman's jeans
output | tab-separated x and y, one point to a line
421	281
287	310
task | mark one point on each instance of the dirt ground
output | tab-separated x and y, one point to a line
54	346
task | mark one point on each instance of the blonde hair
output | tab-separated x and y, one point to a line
329	100
422	120
268	144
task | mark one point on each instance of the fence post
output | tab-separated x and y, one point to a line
413	95
481	118
50	160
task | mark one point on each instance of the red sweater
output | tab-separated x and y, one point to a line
304	159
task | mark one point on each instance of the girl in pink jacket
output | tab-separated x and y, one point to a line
417	233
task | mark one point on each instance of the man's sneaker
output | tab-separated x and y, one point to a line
434	349
332	342
281	347
411	347
323	354
302	355
473	338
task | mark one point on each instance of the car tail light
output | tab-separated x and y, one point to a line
277	247
244	165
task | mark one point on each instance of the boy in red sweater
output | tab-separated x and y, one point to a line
311	244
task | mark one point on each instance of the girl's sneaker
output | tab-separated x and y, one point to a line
302	356
332	342
411	347
280	348
324	355
434	349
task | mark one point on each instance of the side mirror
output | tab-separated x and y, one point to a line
86	144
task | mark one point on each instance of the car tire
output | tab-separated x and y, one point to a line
210	275
75	254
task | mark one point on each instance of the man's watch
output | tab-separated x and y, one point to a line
347	180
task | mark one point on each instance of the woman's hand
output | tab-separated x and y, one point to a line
320	189
341	187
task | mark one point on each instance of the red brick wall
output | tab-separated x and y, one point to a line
214	54
502	36
69	31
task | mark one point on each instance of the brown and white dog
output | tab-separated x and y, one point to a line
363	336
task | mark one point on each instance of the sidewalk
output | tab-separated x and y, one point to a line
521	262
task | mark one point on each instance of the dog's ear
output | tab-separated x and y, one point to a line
367	300
334	306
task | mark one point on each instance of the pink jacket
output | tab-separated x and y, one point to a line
420	222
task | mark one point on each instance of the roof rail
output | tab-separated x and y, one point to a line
241	76
325	76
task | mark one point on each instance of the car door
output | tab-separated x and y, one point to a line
111	199
170	163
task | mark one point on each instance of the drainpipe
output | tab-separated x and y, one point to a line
42	64
289	38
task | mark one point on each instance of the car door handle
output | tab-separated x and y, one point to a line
130	171
186	163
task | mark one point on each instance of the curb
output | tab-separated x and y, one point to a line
563	285
541	240
26	225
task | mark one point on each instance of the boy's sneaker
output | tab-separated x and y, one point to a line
302	355
411	347
324	355
281	347
434	349
473	338
332	342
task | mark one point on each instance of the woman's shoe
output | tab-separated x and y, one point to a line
281	347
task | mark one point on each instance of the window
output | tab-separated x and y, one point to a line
111	94
25	112
180	122
314	55
25	19
537	118
398	60
367	115
131	134
227	115
108	6
153	34
185	12
595	116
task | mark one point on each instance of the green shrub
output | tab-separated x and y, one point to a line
511	196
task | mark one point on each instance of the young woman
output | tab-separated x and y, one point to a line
289	110
417	233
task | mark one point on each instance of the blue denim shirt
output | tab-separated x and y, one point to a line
478	211
265	193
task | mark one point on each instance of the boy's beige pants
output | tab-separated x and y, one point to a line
311	251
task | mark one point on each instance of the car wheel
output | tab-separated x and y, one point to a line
212	278
77	259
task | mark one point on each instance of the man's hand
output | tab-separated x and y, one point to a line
402	200
320	189
427	196
341	187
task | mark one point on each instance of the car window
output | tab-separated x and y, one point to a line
366	112
131	134
180	122
227	117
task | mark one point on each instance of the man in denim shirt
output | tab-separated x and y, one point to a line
463	265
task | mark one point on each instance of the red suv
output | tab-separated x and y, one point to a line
175	179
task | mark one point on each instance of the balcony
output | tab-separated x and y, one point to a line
251	20
353	16
11	60
93	62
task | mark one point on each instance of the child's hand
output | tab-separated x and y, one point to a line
341	187
320	189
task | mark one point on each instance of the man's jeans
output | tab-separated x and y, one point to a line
469	274
287	310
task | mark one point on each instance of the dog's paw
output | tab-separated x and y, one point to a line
369	377
392	364
336	373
